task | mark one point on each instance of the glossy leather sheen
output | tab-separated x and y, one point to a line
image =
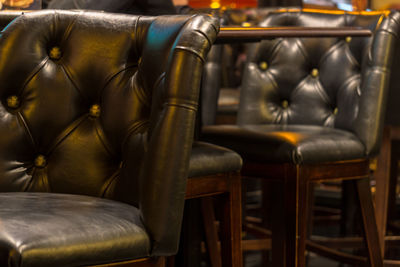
103	105
348	91
210	86
334	83
287	143
68	230
208	159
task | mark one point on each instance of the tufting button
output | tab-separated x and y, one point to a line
348	39
263	65
13	101
314	73
285	104
95	111
55	53
335	111
40	161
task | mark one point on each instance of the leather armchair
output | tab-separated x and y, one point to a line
217	168
96	129
312	110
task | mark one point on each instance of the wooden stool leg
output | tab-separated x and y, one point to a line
210	230
267	201
394	168
189	253
231	224
289	227
382	175
369	222
310	214
278	226
304	211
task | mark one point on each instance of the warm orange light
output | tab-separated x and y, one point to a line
215	4
290	137
222	3
17	3
359	5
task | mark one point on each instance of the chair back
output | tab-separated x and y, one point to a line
103	105
332	82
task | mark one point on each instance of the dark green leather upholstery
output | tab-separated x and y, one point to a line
101	105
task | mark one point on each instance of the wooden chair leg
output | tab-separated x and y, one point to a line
267	201
382	175
369	223
231	224
207	208
310	214
278	226
304	211
392	184
289	227
189	253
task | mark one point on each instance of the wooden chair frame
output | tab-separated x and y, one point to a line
386	180
227	186
292	207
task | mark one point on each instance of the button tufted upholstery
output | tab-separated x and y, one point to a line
328	83
312	110
101	105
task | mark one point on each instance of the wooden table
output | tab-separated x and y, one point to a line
228	35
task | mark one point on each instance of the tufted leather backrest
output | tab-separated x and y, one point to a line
332	82
103	105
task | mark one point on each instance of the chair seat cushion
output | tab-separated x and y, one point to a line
286	143
45	229
208	159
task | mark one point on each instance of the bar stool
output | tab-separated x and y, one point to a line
312	110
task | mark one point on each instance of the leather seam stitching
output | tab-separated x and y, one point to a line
184	48
189	105
103	139
27	131
35	71
66	132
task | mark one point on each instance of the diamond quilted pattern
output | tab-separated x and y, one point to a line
97	104
38	100
309	72
75	145
81	161
336	68
320	78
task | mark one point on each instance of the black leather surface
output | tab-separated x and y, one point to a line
321	83
332	82
210	86
103	105
208	159
68	230
392	108
287	143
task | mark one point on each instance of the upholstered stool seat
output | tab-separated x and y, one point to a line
209	159
287	143
68	230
